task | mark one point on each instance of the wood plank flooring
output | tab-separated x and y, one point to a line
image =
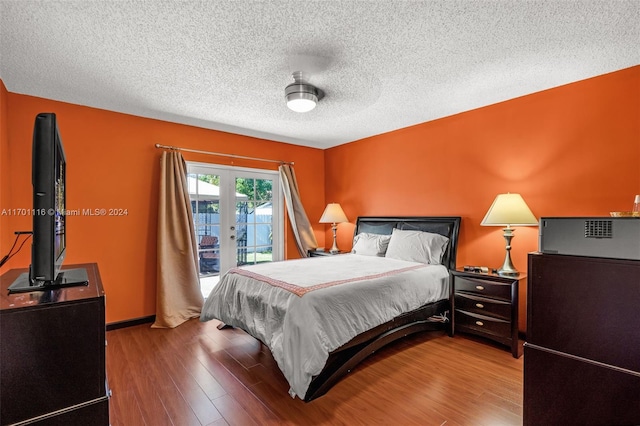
199	375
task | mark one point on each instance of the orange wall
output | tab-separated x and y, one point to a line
5	176
112	163
573	150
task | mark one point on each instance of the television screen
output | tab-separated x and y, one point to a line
48	177
60	209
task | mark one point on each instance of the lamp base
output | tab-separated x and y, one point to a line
334	248
508	273
507	268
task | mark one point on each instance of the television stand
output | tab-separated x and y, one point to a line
66	278
53	355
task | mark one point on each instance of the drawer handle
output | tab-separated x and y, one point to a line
480	323
479	287
479	305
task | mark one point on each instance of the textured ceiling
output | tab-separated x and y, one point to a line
383	65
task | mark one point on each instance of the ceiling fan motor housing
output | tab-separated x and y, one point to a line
304	90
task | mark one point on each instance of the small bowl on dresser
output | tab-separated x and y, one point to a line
625	214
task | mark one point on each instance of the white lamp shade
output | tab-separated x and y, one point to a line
509	209
333	213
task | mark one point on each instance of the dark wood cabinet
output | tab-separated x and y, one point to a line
487	305
582	353
52	354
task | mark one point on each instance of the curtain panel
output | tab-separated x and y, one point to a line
304	236
178	289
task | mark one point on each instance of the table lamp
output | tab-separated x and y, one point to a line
333	214
509	210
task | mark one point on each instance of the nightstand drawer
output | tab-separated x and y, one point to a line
483	306
483	323
484	287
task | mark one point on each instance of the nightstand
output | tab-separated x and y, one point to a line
486	305
314	253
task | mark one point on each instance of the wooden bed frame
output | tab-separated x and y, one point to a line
344	359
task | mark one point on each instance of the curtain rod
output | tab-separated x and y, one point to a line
220	154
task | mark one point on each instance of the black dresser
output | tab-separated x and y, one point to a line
582	353
52	354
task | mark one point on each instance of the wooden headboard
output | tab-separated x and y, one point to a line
449	226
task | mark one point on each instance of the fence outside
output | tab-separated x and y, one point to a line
254	238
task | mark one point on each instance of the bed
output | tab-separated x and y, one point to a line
321	316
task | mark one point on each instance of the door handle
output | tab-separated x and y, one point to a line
233	237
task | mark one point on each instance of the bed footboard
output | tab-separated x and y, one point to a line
347	357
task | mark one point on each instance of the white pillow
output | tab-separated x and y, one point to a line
370	244
417	246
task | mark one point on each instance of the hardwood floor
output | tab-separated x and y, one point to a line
199	375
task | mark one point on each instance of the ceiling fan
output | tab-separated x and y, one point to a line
300	95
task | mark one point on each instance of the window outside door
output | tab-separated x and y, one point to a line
238	218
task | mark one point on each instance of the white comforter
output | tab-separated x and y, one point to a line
304	309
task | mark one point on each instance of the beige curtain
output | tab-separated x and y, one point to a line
178	291
305	238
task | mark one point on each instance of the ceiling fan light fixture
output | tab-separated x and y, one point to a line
301	101
301	96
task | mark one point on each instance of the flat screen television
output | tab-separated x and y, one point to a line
49	246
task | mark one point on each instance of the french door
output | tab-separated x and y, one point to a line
238	218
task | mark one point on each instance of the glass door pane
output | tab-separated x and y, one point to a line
254	220
204	192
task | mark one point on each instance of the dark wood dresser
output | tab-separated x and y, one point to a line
52	354
582	353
